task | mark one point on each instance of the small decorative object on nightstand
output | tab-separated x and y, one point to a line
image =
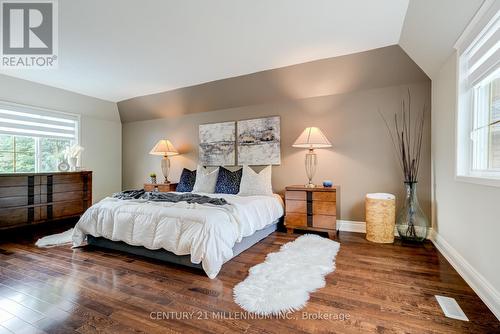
161	187
313	209
152	178
327	184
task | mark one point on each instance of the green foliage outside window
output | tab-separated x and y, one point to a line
52	153
20	154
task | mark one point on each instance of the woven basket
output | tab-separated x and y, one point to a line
380	217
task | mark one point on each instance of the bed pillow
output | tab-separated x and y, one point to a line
253	183
186	182
228	182
205	180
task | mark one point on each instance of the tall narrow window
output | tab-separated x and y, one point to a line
478	121
34	140
486	125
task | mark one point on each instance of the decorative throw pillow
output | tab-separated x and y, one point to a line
186	182
228	182
205	180
253	183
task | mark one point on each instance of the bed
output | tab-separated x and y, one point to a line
197	235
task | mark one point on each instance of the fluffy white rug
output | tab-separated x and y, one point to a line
55	239
282	283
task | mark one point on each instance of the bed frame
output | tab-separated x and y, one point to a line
185	260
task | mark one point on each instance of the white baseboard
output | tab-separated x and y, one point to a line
351	226
360	227
488	294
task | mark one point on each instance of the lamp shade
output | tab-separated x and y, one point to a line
312	138
164	147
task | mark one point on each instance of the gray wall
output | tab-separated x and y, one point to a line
360	161
100	127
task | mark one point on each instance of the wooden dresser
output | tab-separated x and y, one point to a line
161	187
39	197
312	209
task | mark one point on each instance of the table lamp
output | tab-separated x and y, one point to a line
164	147
311	138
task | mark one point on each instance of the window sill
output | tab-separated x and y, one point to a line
481	180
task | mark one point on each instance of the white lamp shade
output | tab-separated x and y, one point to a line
164	147
312	138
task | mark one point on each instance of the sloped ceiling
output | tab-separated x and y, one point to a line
432	27
382	67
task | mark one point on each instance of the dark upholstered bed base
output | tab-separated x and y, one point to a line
185	260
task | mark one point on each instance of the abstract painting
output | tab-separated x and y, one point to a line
217	144
259	141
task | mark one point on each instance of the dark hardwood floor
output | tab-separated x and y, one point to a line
375	288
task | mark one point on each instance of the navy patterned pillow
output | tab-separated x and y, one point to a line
186	181
228	182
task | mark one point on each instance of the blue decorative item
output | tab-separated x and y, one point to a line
327	184
228	182
186	182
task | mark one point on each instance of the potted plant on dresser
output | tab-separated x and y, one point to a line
406	134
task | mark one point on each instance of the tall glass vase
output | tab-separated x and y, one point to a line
412	224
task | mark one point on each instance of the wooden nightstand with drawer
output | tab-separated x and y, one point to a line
161	187
313	209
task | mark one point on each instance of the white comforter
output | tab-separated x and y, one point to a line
207	232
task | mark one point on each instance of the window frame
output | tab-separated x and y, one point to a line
34	109
464	170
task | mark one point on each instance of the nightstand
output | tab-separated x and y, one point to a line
161	187
313	209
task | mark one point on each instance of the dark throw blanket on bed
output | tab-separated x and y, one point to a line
168	197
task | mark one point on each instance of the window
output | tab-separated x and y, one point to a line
34	140
485	133
478	121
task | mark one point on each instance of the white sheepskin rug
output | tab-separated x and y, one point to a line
55	239
282	283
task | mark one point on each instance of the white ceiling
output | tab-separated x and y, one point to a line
119	49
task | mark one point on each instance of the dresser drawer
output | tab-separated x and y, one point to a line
19	191
296	206
14	181
322	221
8	202
296	195
324	196
62	178
63	187
62	210
72	208
62	197
295	219
324	208
18	216
9	217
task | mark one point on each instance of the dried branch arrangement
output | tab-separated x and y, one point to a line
406	135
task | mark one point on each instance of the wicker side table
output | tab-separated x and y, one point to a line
380	217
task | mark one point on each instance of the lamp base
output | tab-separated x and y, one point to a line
310	185
311	162
165	168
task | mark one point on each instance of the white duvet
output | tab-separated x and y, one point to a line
207	232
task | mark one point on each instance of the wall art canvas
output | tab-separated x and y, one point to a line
259	141
217	144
